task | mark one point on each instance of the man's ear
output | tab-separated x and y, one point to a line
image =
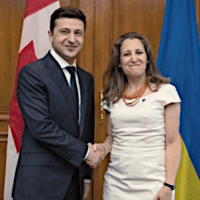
50	34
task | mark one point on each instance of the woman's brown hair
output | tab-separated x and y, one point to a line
115	80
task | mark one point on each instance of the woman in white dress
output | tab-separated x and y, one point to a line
143	112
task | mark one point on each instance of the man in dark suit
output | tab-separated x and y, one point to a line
56	98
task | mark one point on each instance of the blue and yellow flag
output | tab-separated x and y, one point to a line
179	58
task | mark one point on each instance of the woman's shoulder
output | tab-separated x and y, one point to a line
166	87
161	87
168	93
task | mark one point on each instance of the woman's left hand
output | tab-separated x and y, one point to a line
165	193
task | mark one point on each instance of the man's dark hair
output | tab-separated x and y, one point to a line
68	12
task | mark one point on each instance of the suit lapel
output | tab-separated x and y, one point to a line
84	96
58	76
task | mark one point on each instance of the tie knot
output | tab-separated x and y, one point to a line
71	70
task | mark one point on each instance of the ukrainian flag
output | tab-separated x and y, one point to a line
179	58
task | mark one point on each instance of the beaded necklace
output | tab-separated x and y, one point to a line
136	96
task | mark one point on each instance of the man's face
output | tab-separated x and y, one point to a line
67	38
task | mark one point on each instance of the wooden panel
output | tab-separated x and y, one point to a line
87	56
4	117
74	3
65	2
145	17
102	50
11	17
116	22
3	144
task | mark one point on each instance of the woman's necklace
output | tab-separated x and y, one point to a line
135	97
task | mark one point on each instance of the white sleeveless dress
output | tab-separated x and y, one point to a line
136	170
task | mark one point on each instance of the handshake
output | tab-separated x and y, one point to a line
96	154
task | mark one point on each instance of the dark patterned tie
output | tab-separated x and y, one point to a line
74	90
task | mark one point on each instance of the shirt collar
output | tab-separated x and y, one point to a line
63	63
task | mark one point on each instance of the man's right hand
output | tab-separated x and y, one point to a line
94	157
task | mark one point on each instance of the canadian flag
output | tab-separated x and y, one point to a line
34	45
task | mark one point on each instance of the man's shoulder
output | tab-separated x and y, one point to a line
84	73
37	65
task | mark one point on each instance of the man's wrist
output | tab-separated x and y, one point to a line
87	152
87	180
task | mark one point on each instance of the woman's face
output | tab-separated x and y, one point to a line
133	58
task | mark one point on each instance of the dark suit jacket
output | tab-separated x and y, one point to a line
53	144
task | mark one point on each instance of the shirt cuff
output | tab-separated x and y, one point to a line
87	180
86	155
